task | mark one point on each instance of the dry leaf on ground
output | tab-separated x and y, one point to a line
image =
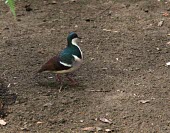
105	120
2	122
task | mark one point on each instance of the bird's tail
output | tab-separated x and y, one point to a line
41	70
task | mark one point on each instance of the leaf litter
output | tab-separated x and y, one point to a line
2	122
105	120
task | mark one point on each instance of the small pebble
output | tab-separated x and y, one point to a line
53	2
81	121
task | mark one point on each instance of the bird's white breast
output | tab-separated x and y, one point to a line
77	62
74	42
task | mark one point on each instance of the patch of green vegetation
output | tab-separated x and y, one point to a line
11	5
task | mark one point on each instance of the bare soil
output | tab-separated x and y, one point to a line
124	77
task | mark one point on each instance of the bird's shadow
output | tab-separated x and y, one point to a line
52	83
48	84
64	86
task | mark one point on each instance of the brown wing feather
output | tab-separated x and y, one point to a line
53	65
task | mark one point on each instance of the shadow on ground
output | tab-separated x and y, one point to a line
6	99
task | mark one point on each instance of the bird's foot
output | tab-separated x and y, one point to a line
73	82
58	79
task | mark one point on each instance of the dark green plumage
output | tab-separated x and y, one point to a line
66	55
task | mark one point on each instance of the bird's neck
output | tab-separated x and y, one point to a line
72	42
72	46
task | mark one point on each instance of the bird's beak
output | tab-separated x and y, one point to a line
79	38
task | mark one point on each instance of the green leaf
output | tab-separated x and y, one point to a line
11	5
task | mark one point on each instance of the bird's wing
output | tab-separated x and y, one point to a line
66	59
56	63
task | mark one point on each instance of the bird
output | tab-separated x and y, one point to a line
66	61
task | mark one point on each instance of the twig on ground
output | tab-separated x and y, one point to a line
60	89
98	90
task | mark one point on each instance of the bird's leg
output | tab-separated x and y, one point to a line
72	80
58	78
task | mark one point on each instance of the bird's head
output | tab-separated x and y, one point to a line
72	38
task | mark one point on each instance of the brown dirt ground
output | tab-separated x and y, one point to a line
125	55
